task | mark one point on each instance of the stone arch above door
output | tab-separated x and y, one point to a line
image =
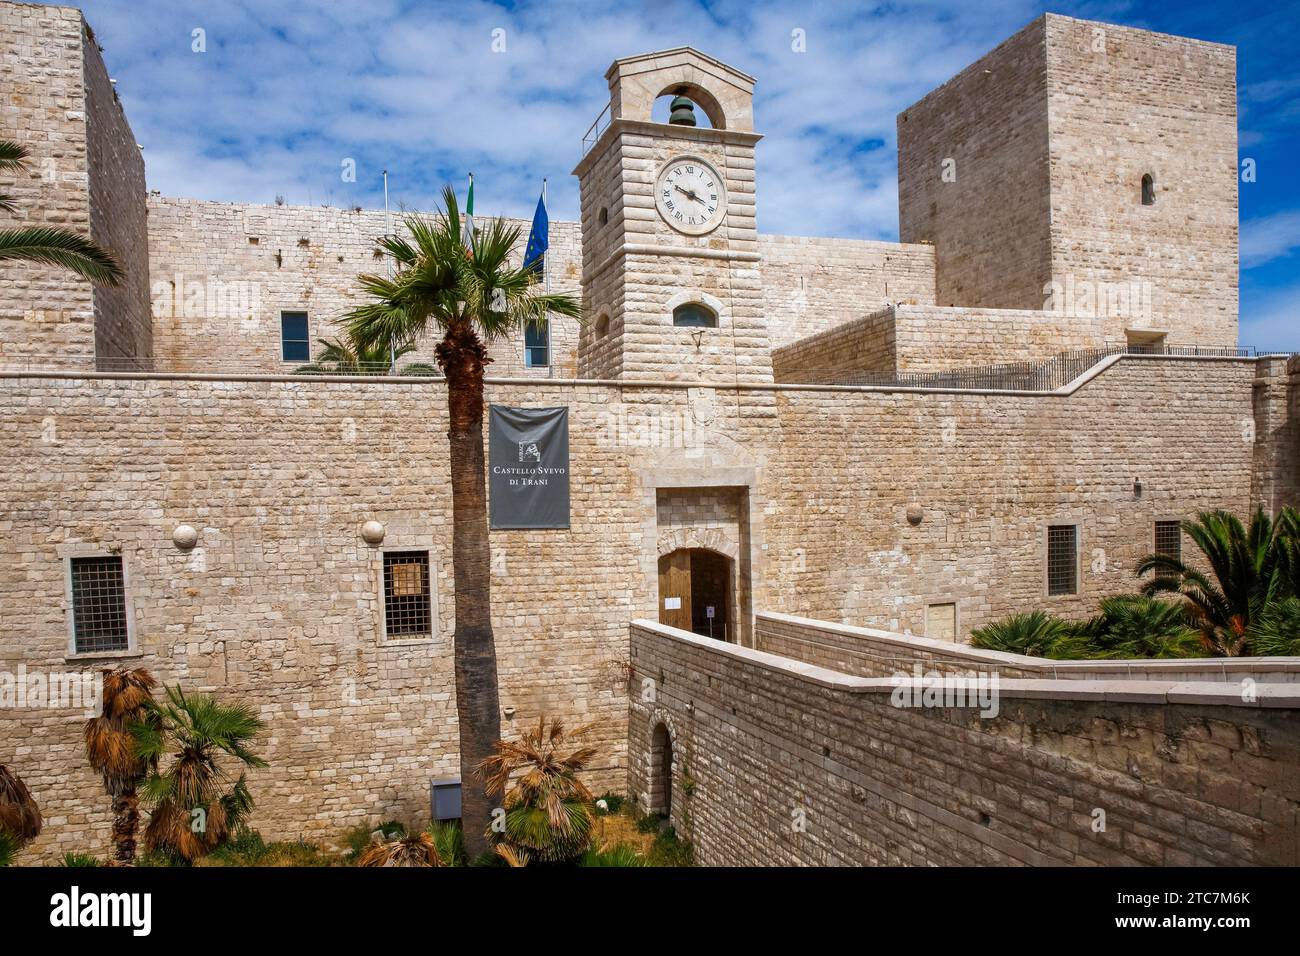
708	539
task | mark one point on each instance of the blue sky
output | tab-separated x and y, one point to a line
286	92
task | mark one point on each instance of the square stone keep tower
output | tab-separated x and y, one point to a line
1078	159
670	271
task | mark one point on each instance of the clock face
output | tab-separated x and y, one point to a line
690	196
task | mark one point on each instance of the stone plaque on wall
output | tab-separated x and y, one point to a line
528	467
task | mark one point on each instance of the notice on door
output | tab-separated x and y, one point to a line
528	466
672	604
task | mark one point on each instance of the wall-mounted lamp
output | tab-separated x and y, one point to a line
698	336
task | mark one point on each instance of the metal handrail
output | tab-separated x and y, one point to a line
593	132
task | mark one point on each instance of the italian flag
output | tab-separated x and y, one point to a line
467	227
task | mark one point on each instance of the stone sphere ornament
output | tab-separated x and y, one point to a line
372	532
185	537
914	515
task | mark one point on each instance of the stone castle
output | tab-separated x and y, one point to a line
850	452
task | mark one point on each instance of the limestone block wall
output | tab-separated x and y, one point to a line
937	339
811	285
279	604
919	338
838	355
973	177
46	315
118	220
223	272
793	764
1122	103
989	474
871	652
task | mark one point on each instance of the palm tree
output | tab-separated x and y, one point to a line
195	805
1246	576
470	296
20	817
548	810
339	357
48	244
110	747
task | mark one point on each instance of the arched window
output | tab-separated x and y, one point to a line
692	315
1148	190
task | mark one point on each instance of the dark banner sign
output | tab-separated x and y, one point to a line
528	466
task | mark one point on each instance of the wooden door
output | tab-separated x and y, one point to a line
675	589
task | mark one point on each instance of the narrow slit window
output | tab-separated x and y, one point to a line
98	604
408	605
1062	559
1148	190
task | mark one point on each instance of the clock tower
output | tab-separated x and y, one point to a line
670	264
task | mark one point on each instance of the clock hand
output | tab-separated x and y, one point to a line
690	194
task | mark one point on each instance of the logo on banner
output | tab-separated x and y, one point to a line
528	451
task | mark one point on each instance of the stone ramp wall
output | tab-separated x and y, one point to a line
791	764
870	652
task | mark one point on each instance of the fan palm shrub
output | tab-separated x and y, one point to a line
1134	625
1277	634
110	748
189	741
1035	634
419	850
49	244
469	296
339	357
20	817
1247	573
548	810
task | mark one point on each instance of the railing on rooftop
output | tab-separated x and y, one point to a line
595	129
1045	376
162	366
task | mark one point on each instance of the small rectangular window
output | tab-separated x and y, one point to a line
537	344
295	343
1062	559
408	605
98	604
1169	539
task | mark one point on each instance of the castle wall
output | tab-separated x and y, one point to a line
1121	103
118	219
811	285
862	347
973	178
826	770
223	272
279	604
46	314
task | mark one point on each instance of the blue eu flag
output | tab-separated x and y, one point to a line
538	239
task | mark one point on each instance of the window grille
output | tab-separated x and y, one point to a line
99	605
1169	540
407	603
1062	559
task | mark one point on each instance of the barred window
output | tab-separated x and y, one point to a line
98	604
407	598
1169	539
1062	559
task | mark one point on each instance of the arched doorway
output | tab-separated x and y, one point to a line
661	771
695	588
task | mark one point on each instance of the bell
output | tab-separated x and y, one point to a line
683	112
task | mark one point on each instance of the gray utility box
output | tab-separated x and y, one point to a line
444	797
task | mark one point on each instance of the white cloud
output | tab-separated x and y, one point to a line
1266	238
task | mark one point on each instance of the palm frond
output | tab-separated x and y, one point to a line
59	247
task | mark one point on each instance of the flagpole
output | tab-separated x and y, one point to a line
546	278
388	231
